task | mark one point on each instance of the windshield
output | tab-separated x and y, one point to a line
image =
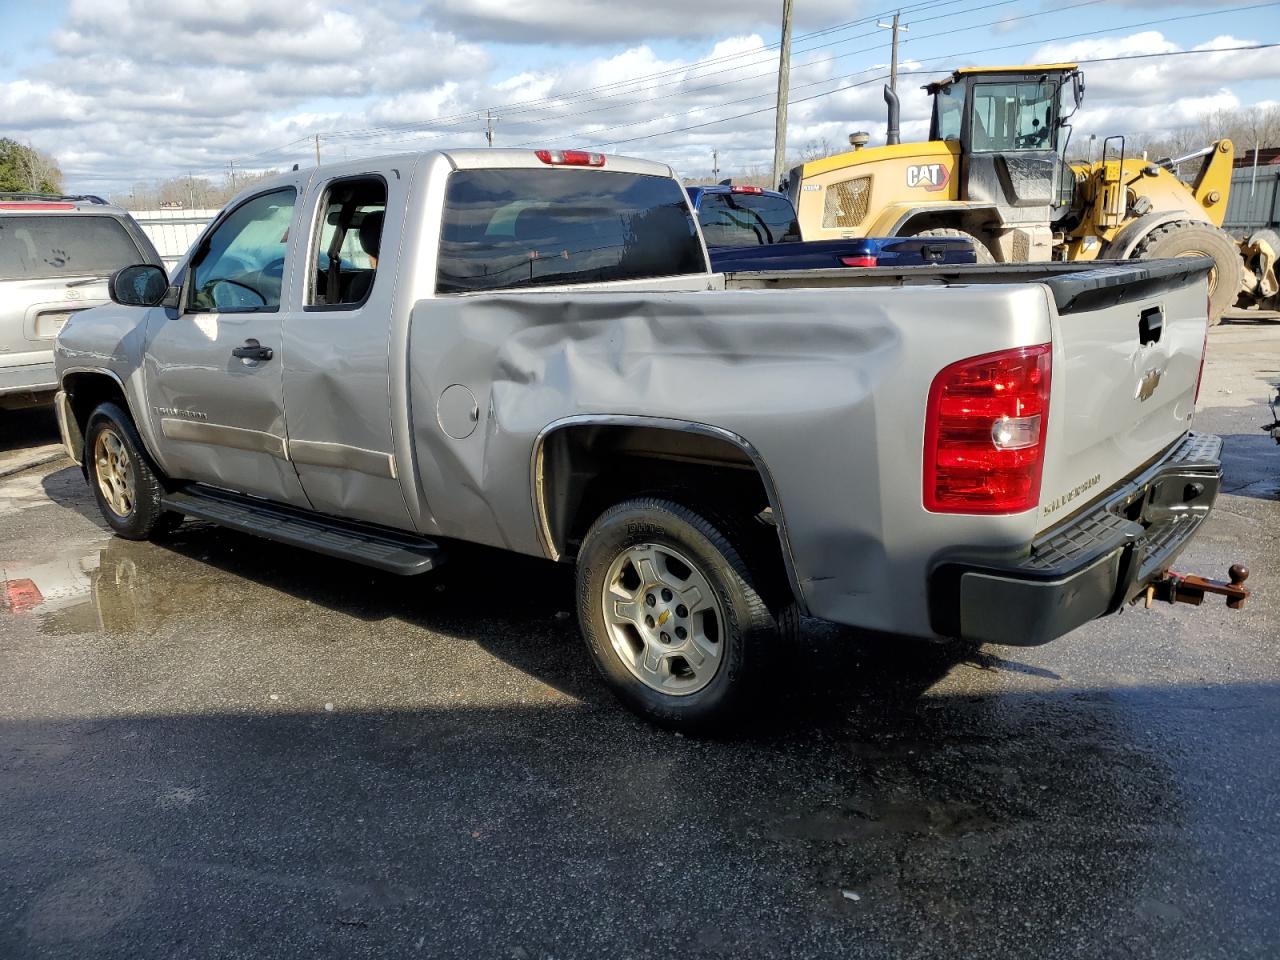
42	246
1014	116
747	219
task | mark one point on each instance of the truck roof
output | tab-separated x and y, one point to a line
471	158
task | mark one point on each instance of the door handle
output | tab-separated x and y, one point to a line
253	350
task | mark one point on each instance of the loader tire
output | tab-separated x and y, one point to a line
981	251
1186	238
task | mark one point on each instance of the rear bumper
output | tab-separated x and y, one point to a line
28	378
1091	566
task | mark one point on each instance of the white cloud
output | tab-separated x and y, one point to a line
608	21
142	89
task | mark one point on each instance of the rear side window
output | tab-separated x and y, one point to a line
746	220
41	247
523	228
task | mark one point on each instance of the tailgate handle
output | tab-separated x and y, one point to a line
1151	325
933	251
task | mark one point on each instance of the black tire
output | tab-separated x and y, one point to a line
980	250
139	516
748	633
1186	238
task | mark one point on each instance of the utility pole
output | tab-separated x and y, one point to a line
317	149
715	164
191	190
489	119
232	165
893	55
784	90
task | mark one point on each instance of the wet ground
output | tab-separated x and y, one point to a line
223	748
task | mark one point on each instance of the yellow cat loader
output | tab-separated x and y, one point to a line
993	170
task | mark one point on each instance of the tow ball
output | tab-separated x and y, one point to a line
1187	588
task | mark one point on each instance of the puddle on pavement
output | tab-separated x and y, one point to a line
106	586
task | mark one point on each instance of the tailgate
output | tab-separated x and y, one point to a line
1128	344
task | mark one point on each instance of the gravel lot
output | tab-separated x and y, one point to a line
218	747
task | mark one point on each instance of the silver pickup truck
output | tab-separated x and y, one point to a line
526	349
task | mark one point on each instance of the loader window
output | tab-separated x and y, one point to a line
1014	116
948	106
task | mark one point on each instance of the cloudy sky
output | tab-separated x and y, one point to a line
122	91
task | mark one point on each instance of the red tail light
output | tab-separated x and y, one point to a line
570	158
984	432
746	189
868	260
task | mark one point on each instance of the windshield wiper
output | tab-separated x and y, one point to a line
85	281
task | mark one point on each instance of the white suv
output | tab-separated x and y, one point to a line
56	254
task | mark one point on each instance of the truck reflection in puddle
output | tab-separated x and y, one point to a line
77	592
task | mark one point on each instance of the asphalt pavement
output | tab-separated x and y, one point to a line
221	747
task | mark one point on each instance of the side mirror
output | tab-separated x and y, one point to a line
142	285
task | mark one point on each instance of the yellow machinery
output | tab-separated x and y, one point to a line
993	170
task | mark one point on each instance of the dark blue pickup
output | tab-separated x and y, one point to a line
749	228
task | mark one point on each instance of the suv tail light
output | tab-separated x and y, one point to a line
570	158
865	260
984	432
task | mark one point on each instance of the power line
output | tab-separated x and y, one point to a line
524	105
827	93
738	80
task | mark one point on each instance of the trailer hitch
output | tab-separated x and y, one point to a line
1187	588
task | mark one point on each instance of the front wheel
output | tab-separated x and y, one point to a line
672	614
127	488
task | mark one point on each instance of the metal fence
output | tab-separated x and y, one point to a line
173	231
1254	202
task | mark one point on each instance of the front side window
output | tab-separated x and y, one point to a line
240	266
345	261
1014	116
44	247
746	220
522	228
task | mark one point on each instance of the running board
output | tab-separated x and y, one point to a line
373	546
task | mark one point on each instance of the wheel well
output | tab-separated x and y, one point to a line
584	469
85	391
970	221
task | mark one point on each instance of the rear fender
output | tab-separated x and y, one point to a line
1133	233
896	218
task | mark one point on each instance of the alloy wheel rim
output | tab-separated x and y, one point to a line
112	466
664	619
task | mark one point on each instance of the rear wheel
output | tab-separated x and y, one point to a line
672	614
1186	238
126	487
980	249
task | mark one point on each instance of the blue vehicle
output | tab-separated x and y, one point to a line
750	228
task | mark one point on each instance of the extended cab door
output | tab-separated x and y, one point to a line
336	349
213	365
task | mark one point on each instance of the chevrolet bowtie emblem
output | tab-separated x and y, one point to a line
663	617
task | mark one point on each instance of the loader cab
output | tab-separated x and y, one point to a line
1010	125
